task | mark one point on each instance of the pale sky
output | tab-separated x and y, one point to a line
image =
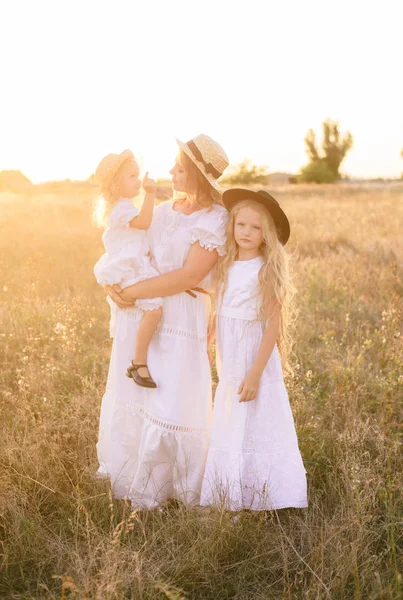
82	78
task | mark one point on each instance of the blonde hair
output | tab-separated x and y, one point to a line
276	288
107	198
197	186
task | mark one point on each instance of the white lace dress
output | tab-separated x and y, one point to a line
153	442
253	460
126	259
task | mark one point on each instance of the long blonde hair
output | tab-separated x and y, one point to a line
276	288
197	186
107	198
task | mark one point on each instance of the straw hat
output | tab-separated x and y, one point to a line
208	156
232	197
109	166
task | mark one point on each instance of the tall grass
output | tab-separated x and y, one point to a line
62	535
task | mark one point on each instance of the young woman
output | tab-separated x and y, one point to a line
153	442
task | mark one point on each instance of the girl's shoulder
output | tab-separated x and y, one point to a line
122	213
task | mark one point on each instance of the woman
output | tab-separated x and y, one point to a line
153	442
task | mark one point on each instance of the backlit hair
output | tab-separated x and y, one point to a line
276	287
107	198
197	186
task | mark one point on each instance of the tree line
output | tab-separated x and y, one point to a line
324	161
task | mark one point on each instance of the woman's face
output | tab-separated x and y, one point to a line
179	177
129	183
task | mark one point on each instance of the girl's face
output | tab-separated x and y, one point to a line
179	177
248	231
129	183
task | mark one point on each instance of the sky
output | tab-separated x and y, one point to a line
83	78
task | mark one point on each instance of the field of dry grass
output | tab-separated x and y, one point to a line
62	536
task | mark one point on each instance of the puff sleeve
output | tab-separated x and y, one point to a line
211	230
122	213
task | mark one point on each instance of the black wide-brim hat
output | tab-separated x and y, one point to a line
235	195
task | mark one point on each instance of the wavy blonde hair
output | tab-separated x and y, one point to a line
276	288
198	187
107	198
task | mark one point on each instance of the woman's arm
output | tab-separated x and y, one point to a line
250	385
198	264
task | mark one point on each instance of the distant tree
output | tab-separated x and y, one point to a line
334	147
316	172
245	173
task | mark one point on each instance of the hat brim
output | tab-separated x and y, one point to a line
210	178
231	197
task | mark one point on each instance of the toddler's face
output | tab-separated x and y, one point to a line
248	232
129	182
179	176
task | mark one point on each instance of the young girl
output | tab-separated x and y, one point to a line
126	260
253	460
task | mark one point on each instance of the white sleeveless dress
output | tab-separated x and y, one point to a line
153	443
253	459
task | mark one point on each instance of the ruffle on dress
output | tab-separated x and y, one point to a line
210	231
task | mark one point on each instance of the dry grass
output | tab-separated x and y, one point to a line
61	535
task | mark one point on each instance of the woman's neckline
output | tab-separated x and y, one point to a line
184	214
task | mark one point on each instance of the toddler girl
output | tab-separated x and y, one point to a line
253	460
126	260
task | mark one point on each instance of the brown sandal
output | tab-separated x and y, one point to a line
132	372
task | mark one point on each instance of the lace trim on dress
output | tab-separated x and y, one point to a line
190	335
136	315
161	424
210	246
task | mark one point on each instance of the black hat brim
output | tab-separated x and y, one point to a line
235	195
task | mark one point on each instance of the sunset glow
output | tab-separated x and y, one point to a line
84	78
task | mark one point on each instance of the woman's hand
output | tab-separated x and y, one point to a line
149	185
114	292
249	386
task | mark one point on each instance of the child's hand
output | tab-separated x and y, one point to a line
149	185
249	387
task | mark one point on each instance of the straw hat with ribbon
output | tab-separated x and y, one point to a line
231	197
109	166
208	156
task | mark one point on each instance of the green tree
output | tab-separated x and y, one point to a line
245	173
316	172
334	146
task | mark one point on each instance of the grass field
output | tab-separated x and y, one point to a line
62	536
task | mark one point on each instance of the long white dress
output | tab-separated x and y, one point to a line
153	442
253	459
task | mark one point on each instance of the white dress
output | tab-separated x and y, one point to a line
253	460
153	442
126	259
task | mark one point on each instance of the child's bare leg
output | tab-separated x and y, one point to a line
145	332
